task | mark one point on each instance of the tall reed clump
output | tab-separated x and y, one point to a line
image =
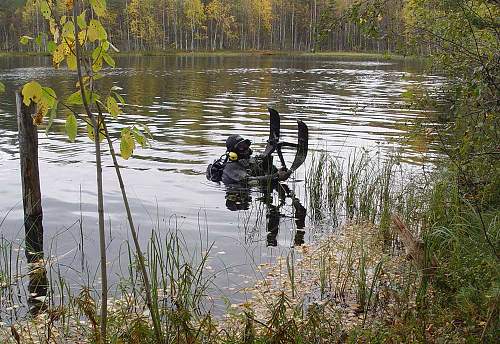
457	292
179	290
457	233
7	275
360	188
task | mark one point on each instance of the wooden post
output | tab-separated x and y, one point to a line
32	199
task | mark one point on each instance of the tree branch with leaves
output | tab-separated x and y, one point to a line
80	41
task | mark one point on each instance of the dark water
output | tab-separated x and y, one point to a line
191	104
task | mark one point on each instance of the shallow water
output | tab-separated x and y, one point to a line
191	104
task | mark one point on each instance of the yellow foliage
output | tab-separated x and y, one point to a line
68	30
113	107
44	97
194	11
71	62
32	91
69	5
127	144
142	21
95	31
99	7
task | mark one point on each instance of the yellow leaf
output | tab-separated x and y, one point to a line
32	91
71	62
99	7
97	53
82	22
127	144
109	60
25	39
49	97
69	30
75	99
82	35
53	114
58	55
140	138
112	106
71	127
45	9
92	33
68	45
97	65
96	31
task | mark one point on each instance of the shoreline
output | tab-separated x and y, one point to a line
321	278
237	53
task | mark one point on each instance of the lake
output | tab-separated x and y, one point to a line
191	104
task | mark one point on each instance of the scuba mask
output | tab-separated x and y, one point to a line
241	150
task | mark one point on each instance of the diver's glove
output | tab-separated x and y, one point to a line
284	174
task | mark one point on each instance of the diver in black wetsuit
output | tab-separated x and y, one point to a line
242	168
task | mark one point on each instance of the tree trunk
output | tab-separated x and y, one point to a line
142	265
30	180
163	28
100	197
32	204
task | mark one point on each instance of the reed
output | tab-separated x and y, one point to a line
360	188
290	267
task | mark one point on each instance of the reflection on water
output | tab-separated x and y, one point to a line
191	104
238	199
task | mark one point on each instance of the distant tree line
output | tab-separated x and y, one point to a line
301	25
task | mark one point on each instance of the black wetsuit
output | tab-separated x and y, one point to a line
237	171
250	170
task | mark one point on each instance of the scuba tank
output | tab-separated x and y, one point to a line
215	169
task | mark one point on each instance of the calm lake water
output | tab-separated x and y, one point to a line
191	104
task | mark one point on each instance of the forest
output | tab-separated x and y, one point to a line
296	25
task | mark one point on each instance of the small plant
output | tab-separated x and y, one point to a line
361	290
290	267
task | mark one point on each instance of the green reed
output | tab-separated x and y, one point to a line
290	267
360	188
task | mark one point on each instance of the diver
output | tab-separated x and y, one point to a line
242	168
238	166
239	170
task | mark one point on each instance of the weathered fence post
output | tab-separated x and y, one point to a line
32	204
32	198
